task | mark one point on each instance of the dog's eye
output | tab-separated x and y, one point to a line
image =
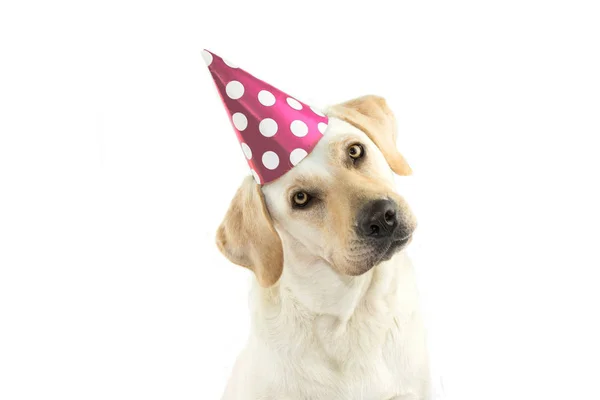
356	151
301	199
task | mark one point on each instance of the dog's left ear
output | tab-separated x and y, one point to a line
372	115
247	236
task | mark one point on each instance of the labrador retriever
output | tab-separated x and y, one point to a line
334	306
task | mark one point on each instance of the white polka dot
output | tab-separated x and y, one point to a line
295	104
267	127
299	128
230	64
297	155
247	151
322	127
270	160
234	90
266	98
208	58
239	121
319	113
255	175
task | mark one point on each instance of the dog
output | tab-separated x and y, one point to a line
334	304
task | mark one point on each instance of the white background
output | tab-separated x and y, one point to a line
117	162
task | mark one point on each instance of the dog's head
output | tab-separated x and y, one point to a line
339	205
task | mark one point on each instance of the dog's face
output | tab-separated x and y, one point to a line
338	205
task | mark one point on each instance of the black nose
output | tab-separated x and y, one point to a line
378	219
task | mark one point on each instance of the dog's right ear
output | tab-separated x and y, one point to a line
247	236
372	115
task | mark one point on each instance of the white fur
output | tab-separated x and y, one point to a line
317	334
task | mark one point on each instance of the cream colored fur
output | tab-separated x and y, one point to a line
319	334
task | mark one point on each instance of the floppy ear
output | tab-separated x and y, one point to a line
247	237
372	115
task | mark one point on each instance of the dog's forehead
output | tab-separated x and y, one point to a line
318	164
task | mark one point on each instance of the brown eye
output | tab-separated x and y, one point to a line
356	151
301	199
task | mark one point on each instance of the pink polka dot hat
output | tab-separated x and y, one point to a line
275	130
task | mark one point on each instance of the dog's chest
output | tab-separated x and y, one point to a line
364	359
346	370
376	353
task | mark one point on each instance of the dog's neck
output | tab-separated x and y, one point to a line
310	287
322	291
313	304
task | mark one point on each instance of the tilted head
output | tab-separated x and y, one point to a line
338	205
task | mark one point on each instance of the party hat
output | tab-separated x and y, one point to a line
275	130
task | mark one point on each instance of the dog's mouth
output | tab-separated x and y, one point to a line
383	252
395	246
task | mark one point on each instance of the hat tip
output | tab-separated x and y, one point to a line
207	56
